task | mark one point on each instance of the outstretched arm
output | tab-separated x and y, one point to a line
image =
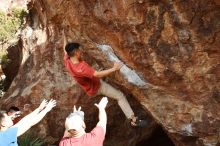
102	113
64	40
103	73
34	117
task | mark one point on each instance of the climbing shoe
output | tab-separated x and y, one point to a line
139	123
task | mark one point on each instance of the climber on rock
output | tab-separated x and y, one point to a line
90	80
10	132
75	128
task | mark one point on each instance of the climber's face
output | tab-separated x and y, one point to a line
6	121
78	54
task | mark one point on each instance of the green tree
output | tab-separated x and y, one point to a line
10	24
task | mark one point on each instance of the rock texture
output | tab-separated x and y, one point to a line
171	52
11	70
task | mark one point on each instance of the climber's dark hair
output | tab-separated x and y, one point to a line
70	48
13	108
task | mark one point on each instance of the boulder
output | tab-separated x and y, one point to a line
171	74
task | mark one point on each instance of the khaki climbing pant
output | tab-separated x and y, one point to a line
109	91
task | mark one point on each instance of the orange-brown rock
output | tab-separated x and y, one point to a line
171	52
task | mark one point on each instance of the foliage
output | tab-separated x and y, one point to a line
10	24
4	60
30	139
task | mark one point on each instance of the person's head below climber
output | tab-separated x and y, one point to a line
75	124
14	112
73	49
5	120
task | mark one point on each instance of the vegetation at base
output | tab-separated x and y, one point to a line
30	139
4	60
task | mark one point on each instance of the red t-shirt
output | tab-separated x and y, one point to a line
83	74
94	138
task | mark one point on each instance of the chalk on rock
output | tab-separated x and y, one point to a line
127	73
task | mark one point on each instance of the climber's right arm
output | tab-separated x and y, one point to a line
103	73
64	40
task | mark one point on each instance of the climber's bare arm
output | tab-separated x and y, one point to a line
64	40
103	73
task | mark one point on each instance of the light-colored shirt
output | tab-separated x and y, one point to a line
9	137
94	138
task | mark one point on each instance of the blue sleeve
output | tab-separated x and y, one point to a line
9	137
12	133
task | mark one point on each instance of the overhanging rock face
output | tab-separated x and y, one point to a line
171	54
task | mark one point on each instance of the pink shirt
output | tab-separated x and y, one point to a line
94	138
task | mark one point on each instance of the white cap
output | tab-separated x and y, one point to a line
74	121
